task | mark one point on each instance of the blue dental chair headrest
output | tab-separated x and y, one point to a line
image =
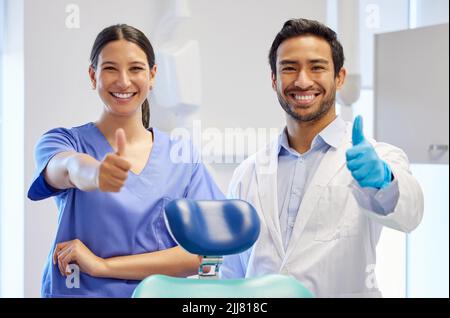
213	227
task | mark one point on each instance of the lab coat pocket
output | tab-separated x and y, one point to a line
335	215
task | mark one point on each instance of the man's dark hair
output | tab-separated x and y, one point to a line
298	27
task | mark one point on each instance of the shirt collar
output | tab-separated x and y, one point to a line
334	132
331	135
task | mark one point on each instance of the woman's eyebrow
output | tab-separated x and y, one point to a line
108	62
138	62
131	63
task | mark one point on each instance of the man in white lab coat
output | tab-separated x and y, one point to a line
323	190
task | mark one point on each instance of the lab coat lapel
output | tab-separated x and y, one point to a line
331	163
266	176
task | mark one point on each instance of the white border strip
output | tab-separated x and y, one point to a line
12	148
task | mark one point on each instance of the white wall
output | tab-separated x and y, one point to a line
428	12
398	271
427	247
378	16
12	150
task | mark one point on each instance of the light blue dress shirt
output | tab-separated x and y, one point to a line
295	172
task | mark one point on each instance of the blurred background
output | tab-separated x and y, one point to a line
213	72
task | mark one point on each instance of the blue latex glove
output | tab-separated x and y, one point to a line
363	162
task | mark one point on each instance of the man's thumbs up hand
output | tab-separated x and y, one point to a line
357	132
363	162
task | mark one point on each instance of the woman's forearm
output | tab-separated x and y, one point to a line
71	169
172	262
83	171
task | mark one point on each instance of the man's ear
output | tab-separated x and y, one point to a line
92	77
340	78
274	82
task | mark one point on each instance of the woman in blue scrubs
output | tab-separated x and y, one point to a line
111	180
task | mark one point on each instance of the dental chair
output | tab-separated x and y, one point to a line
214	229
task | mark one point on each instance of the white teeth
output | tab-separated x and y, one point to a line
304	97
123	96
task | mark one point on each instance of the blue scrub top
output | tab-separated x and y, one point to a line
116	224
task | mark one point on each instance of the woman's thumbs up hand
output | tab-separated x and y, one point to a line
121	142
113	170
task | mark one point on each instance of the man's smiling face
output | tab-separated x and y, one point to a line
305	81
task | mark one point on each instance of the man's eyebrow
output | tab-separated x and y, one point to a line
286	62
319	61
313	61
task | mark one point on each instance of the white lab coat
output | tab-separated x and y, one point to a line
332	248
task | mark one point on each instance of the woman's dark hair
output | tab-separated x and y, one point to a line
131	34
298	27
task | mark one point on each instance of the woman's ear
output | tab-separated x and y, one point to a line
153	72
92	77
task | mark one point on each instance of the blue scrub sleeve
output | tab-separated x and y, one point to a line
202	186
51	143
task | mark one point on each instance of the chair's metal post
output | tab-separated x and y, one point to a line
215	261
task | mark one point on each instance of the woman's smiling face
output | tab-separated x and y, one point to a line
123	77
